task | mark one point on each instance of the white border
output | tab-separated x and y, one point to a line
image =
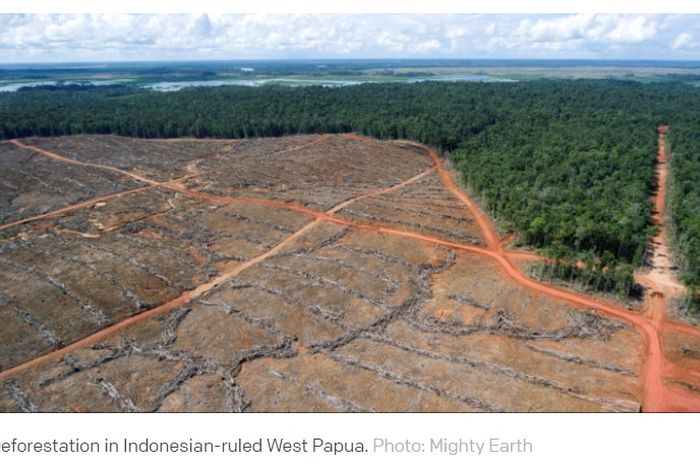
557	438
351	6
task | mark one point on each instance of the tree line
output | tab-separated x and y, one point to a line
684	202
567	164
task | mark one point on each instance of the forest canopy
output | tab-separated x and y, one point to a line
567	164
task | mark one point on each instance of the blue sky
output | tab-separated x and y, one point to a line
104	37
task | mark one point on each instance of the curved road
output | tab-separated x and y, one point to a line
656	395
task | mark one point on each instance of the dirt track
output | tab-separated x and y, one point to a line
223	277
657	395
661	284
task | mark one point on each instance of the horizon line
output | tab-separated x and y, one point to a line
357	59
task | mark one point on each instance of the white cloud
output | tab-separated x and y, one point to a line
557	29
456	33
428	46
202	26
632	30
222	36
393	42
684	40
609	29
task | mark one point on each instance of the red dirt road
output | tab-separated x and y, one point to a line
55	156
77	206
188	296
661	283
173	184
657	396
183	299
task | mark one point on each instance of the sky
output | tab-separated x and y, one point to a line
121	37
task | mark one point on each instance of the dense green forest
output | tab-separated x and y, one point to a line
684	200
577	186
567	164
442	115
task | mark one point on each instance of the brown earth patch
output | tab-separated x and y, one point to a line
312	273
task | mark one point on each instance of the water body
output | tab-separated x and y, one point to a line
461	77
167	86
15	86
171	86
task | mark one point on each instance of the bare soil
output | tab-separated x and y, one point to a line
309	273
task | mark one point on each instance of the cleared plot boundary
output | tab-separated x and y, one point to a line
657	396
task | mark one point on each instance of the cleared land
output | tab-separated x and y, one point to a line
309	273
